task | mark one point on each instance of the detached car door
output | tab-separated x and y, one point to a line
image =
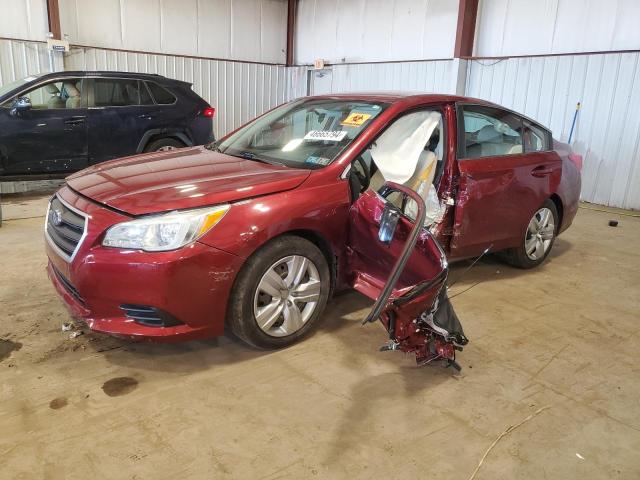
500	184
49	137
378	234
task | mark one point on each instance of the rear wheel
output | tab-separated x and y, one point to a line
279	294
164	145
538	238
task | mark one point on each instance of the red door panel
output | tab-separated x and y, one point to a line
371	261
497	196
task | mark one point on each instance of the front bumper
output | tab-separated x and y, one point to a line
191	284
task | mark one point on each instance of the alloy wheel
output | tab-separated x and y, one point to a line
166	148
540	233
286	296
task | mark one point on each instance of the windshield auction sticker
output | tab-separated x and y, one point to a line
329	135
355	119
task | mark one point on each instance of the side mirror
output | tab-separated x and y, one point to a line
22	104
388	223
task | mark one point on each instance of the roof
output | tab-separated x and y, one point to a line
103	73
392	97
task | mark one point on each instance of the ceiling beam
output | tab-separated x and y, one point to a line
466	31
53	15
291	31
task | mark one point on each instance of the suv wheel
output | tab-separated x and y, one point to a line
163	145
279	294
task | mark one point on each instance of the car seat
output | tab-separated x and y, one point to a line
54	101
74	99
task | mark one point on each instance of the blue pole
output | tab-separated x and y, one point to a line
573	124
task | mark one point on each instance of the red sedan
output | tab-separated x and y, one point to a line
258	229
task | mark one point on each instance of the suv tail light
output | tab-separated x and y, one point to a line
209	112
577	159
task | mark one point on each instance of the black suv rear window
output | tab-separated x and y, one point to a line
109	92
160	94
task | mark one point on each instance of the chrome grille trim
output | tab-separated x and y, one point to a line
64	255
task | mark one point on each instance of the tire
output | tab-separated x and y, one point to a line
251	305
523	256
163	144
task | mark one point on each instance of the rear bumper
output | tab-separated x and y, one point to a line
191	284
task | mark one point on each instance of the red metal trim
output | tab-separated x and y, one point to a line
466	30
537	55
292	7
53	15
378	62
195	57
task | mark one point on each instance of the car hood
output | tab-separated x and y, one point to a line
179	179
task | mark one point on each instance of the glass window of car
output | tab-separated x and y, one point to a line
116	92
490	132
535	138
161	95
57	94
304	134
7	87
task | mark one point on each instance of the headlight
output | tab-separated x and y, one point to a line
164	232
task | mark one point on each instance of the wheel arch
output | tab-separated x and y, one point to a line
555	198
156	134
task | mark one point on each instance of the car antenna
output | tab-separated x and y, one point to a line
486	250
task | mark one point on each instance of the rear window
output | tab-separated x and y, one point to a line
160	94
109	92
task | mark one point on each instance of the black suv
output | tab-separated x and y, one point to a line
62	122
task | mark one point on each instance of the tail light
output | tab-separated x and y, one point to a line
577	159
209	112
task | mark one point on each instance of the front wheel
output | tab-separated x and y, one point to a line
280	293
538	238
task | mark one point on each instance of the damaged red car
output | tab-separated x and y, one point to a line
257	230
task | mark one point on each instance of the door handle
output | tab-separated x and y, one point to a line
541	171
74	121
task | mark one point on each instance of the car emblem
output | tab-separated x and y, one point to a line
56	217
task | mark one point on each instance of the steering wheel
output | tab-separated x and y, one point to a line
364	177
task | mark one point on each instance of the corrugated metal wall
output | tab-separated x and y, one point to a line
239	91
426	76
525	27
19	59
248	30
607	132
375	30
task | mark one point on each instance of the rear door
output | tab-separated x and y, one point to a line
502	179
51	137
120	112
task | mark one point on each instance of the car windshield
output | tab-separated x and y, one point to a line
303	134
7	87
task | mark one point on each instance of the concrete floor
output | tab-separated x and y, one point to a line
563	336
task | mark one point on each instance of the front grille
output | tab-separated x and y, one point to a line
68	286
65	228
149	316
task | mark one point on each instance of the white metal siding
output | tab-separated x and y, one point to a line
526	27
429	76
249	30
607	132
375	30
19	59
238	91
24	19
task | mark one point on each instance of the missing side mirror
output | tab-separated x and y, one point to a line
388	223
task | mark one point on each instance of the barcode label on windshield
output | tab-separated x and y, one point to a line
329	135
